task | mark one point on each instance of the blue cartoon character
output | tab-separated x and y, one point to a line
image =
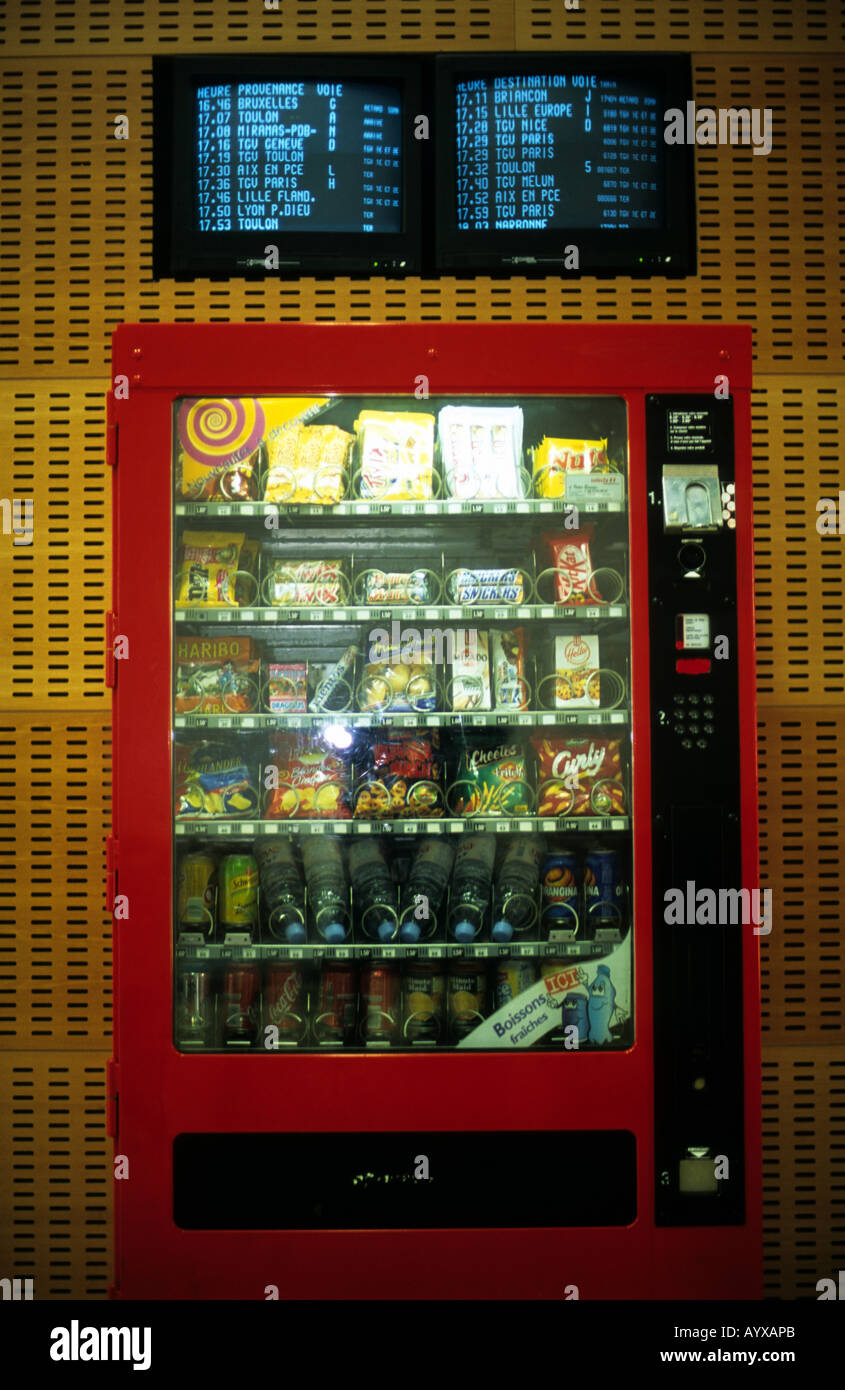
575	1014
601	1006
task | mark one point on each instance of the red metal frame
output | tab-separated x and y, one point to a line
162	1092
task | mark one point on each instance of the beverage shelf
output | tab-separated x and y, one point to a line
445	951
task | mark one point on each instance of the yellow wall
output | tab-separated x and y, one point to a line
76	208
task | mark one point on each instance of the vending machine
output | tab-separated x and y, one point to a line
433	863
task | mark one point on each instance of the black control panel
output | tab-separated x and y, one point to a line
697	929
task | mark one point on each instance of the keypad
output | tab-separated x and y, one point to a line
693	719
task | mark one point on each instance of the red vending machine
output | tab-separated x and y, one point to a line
433	864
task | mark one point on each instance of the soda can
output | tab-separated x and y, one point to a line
560	880
239	893
512	977
379	1003
285	1002
337	1004
466	996
423	994
194	1022
240	1003
604	888
197	892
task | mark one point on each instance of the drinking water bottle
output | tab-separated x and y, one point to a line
425	889
515	899
325	875
282	890
471	882
373	890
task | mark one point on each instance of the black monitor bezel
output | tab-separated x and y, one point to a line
180	252
600	252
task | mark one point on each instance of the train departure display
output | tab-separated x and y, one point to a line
305	156
575	149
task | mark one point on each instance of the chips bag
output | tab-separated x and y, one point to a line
491	780
579	776
309	781
211	780
400	776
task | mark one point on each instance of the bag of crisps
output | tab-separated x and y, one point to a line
492	779
579	776
310	781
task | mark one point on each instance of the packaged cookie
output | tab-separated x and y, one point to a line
577	680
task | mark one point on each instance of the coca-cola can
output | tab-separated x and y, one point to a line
285	1003
240	1003
337	1003
379	1003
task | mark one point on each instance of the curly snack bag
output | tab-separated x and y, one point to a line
311	781
579	776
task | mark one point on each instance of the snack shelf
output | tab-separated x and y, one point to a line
353	952
482	719
356	507
330	614
209	828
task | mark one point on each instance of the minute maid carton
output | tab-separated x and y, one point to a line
578	1003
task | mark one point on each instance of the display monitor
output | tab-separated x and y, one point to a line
558	164
286	166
